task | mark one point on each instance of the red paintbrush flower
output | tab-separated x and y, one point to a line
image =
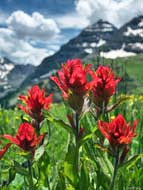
104	85
4	149
35	101
72	80
118	132
26	138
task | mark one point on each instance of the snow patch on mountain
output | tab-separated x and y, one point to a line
136	45
100	43
5	69
134	32
141	23
85	44
94	44
113	54
88	50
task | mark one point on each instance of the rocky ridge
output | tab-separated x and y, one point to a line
12	75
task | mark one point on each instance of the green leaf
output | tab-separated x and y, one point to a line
39	152
87	137
105	163
4	187
12	174
19	169
102	180
70	165
104	170
61	182
103	167
70	187
84	178
59	122
44	168
132	161
88	122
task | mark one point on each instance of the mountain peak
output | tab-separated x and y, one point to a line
134	29
101	26
136	21
4	60
87	42
129	38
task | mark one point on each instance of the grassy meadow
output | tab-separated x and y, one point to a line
97	163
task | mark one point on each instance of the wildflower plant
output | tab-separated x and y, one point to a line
96	149
72	80
26	138
35	101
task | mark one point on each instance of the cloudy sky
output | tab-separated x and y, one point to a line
30	30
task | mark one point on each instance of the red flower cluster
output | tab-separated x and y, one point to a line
118	132
72	80
26	138
35	101
104	85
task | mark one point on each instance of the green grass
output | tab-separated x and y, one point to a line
134	67
58	140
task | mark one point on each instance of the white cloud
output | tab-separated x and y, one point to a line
72	20
30	38
19	50
20	40
29	54
117	12
33	26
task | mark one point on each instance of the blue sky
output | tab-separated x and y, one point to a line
31	30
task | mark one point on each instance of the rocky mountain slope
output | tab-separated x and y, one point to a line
12	75
100	37
87	42
133	35
129	38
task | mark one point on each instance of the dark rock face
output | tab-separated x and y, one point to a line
87	42
129	37
12	75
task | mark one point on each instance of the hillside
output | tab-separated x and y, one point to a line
12	76
102	39
88	41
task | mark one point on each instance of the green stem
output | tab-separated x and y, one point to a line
31	185
115	169
77	157
76	141
76	124
38	128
